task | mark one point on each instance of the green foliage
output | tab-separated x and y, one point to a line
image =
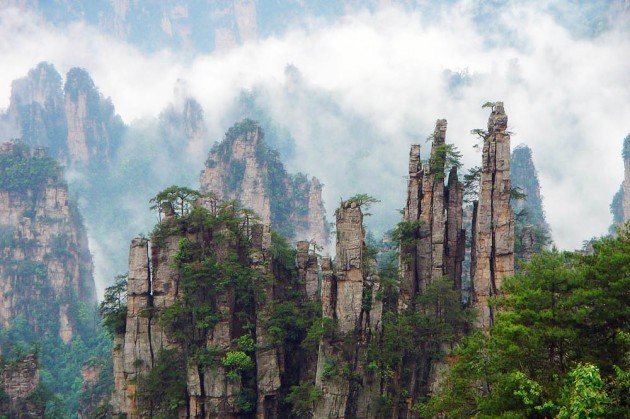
443	158
563	322
237	362
362	200
7	235
407	233
517	193
471	184
241	129
175	199
302	397
21	170
616	207
626	147
235	174
163	388
113	308
585	397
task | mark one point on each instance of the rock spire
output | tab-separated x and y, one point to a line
494	221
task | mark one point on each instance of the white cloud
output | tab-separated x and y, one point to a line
373	83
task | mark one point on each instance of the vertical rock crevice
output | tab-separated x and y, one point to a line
352	319
494	224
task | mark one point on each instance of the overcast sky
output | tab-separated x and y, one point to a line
390	74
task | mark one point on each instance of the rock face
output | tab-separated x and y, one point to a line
620	206
494	222
432	244
230	362
77	124
434	238
242	167
46	267
18	380
350	307
531	231
626	181
182	124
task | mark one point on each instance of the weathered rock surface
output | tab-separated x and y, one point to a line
432	245
18	380
45	264
531	231
620	206
434	239
494	226
77	124
349	303
242	167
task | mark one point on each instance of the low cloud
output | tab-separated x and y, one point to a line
373	82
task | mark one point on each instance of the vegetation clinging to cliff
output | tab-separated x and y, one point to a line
21	169
564	325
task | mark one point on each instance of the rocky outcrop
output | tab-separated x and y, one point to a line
432	238
626	181
96	389
77	124
182	125
212	328
268	356
494	224
620	206
353	313
308	270
432	246
242	167
525	181
18	381
531	231
46	267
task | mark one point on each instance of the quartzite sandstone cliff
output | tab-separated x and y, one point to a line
74	121
242	167
46	267
493	230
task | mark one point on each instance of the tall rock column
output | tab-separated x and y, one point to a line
308	270
626	182
432	243
136	355
434	239
494	227
455	234
408	252
352	317
267	355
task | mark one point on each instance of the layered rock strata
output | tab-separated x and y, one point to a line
204	322
494	224
626	181
18	380
432	243
45	264
76	123
242	167
434	240
353	313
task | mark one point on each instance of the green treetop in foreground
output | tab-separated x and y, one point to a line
560	346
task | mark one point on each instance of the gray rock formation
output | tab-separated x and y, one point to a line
77	124
353	315
18	380
433	240
44	252
494	224
242	167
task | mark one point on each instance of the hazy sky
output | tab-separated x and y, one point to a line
388	75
